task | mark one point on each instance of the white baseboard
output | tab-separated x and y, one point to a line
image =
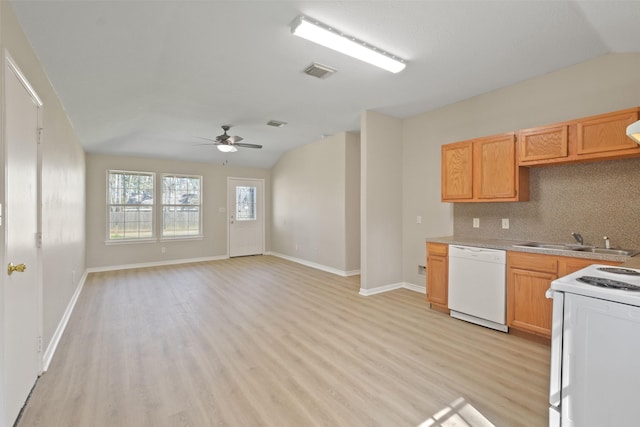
392	287
315	265
416	288
155	264
55	340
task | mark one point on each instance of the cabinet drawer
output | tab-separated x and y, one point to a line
534	262
439	249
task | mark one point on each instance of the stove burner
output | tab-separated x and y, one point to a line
618	270
608	283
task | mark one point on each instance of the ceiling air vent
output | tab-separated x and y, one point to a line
276	123
318	70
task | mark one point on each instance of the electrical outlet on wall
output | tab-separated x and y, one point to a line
505	223
476	222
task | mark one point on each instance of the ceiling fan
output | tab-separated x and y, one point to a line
227	143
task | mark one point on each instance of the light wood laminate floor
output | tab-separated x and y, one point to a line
261	341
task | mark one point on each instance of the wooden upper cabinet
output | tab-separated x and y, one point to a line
483	170
457	171
551	142
601	137
495	158
606	133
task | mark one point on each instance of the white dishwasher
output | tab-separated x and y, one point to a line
477	286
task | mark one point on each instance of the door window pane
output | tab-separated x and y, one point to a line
245	203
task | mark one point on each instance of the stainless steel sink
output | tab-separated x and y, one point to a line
556	246
625	252
579	248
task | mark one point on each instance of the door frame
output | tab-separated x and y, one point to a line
10	65
231	208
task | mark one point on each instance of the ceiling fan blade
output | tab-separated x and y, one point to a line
215	141
235	139
244	145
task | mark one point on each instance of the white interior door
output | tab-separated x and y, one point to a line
246	216
21	322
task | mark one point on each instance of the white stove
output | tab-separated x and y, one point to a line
596	326
605	282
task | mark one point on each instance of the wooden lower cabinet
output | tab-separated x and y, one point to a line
528	278
438	276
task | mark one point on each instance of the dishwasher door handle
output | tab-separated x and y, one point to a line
466	248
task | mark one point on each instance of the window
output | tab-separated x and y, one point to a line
130	205
245	203
181	205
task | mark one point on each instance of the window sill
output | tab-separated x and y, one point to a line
164	239
130	241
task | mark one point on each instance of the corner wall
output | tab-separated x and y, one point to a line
315	189
381	202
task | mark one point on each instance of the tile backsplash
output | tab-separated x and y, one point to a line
594	199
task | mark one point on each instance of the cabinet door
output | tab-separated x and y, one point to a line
495	158
457	171
606	133
543	143
528	309
437	280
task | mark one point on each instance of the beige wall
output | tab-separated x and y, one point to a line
352	202
214	188
63	188
604	84
314	190
381	203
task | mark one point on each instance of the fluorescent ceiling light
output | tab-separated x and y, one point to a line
328	37
226	148
633	131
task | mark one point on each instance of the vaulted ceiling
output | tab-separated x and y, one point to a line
149	78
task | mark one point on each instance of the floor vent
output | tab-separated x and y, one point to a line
318	70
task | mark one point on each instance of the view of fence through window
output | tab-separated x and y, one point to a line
181	202
245	203
130	196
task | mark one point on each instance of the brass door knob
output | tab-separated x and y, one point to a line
19	268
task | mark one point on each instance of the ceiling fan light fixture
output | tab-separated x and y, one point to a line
226	148
326	36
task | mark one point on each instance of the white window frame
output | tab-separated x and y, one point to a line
109	205
162	206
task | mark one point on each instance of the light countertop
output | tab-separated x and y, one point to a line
508	245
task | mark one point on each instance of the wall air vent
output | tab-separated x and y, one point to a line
276	123
318	70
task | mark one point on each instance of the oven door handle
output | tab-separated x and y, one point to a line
557	324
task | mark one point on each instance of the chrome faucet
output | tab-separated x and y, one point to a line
578	238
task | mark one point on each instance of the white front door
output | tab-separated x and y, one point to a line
246	216
21	322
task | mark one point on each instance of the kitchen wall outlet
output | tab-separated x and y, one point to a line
476	222
163	250
419	219
505	223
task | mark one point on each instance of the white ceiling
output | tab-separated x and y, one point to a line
147	78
